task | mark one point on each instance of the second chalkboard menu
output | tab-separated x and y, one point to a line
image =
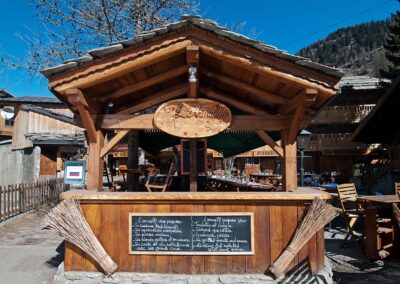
191	233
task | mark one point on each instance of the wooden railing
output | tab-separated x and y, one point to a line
334	141
19	198
342	114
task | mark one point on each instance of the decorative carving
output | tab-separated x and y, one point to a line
192	118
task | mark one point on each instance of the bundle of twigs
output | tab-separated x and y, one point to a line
68	221
318	214
396	212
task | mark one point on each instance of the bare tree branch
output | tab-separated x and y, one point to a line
71	27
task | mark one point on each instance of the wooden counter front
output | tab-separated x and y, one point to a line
276	215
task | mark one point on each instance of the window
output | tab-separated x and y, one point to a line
9	122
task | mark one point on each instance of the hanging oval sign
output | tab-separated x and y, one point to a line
192	118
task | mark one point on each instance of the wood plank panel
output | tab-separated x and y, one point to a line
239	261
181	264
92	214
144	263
198	261
303	253
312	254
74	258
110	227
163	262
256	263
320	250
289	218
276	226
215	264
126	262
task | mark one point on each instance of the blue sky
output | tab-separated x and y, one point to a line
286	24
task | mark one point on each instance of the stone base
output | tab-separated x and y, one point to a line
302	275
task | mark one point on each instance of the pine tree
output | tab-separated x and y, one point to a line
392	49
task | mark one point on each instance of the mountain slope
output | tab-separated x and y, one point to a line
357	50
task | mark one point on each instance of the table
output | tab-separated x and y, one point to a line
388	199
217	183
379	232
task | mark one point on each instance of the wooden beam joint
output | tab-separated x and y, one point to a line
270	142
77	100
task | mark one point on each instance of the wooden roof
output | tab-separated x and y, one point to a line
152	68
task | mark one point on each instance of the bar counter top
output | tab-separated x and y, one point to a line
304	193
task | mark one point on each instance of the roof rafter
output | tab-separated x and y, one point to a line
306	98
244	86
253	65
222	97
137	86
101	72
155	99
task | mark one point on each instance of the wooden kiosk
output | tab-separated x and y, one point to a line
255	94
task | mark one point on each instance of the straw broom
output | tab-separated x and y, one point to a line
68	221
318	214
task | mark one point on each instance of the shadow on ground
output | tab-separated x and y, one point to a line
56	260
350	265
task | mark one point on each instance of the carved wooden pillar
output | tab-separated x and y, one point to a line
95	139
133	159
95	163
289	163
192	60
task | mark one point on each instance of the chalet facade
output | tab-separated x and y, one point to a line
331	150
43	133
5	124
381	126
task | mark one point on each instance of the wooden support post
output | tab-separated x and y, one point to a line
193	165
289	163
192	60
133	160
95	163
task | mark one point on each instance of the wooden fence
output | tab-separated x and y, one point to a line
19	198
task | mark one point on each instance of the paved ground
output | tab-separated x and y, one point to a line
351	266
27	253
30	255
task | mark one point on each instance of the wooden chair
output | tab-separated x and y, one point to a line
351	210
397	188
162	187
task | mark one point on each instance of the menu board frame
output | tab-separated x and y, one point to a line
190	214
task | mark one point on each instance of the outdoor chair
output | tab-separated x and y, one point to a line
161	186
397	187
351	210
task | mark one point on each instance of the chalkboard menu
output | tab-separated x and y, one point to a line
191	233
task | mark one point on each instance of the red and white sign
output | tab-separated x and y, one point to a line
74	172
